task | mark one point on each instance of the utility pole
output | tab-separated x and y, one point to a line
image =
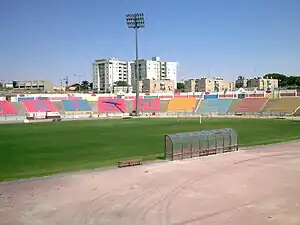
136	21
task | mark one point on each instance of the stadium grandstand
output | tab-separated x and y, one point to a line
93	105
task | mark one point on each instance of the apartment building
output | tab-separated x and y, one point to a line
241	82
216	84
155	69
106	72
191	85
262	84
156	86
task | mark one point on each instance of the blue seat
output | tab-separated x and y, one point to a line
76	105
68	105
84	105
214	106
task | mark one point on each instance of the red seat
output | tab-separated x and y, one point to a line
250	104
147	104
6	108
33	106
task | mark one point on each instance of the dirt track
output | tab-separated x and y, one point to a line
257	186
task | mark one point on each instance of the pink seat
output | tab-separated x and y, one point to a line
33	106
147	104
111	105
6	108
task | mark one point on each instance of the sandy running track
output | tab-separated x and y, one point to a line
257	186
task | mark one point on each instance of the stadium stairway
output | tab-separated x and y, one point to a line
20	109
297	111
182	105
164	105
250	105
129	107
283	105
199	102
232	107
94	106
214	106
59	107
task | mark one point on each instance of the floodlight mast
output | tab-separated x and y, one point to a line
136	21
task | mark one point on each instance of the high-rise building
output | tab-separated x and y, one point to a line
155	69
106	72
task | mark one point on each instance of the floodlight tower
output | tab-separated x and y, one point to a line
136	21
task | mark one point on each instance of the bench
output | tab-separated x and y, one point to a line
131	162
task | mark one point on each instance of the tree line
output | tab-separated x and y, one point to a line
283	80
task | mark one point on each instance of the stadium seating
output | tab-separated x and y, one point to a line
182	105
283	105
33	106
76	105
250	105
106	105
214	106
147	104
6	109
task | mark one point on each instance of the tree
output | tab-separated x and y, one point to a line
180	86
283	80
91	86
238	85
121	84
84	85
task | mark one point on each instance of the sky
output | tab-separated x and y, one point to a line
50	39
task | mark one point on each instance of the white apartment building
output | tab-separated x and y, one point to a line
155	69
108	71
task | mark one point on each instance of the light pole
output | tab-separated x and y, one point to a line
79	80
136	21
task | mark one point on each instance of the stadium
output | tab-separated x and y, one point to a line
217	154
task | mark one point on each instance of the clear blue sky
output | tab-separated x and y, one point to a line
48	39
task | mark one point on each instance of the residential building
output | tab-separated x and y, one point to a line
241	82
216	84
155	69
106	72
191	85
156	86
263	84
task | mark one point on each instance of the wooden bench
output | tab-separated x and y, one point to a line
131	162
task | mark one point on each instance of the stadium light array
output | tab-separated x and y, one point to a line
136	21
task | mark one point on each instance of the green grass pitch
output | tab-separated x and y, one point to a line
30	150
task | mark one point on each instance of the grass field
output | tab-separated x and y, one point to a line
29	150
